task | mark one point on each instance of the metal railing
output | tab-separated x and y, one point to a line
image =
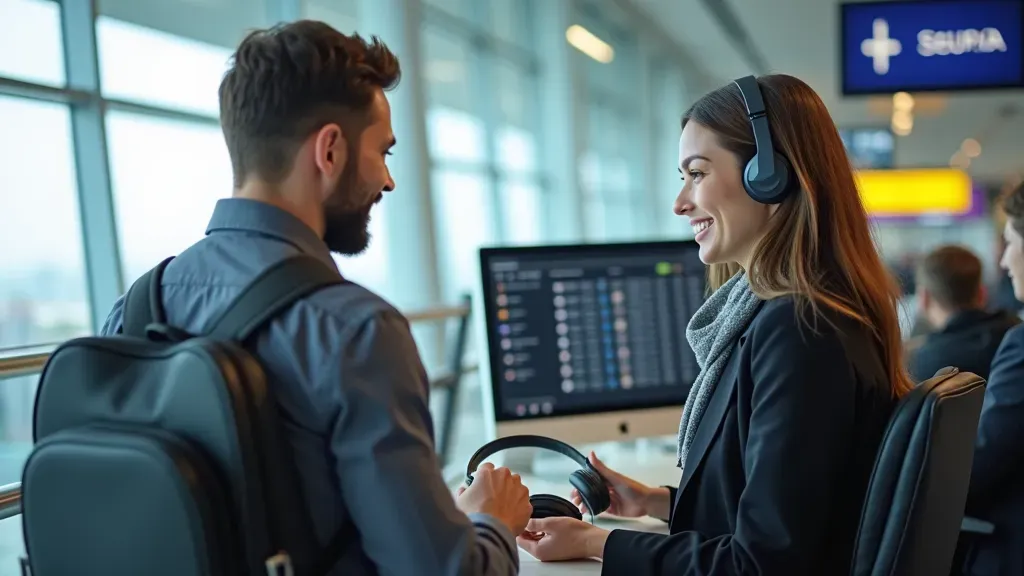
32	363
10	500
13	366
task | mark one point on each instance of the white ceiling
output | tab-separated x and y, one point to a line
800	37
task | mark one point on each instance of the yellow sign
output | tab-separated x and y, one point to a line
915	192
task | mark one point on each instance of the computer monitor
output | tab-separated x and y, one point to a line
587	343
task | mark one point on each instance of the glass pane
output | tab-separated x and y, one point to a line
464	222
160	217
446	71
17	397
590	174
609	220
370	269
517	150
516	95
594	219
153	67
508	20
521	203
455	136
461	8
43	296
31	45
343	15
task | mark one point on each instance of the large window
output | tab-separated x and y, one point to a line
43	296
457	141
481	126
343	15
31	47
611	169
154	67
668	105
167	176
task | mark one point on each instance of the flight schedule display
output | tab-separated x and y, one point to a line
593	328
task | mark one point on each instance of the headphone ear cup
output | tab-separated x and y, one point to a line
592	489
772	191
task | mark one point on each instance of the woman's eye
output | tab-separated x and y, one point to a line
694	174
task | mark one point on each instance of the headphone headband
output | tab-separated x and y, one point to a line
758	116
523	441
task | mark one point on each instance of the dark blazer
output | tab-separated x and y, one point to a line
997	475
776	476
968	341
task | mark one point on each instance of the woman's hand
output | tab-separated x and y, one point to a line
553	539
629	498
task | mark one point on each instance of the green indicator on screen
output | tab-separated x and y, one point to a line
663	268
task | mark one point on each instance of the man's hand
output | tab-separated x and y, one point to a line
498	493
553	539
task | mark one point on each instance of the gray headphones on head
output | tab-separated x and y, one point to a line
766	177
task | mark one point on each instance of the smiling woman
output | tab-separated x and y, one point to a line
780	430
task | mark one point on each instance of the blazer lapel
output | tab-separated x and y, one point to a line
713	415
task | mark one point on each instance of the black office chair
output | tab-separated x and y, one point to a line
915	499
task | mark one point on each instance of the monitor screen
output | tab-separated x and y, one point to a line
592	328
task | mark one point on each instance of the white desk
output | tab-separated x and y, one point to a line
651	466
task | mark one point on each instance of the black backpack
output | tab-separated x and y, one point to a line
159	452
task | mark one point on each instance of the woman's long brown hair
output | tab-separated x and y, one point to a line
818	246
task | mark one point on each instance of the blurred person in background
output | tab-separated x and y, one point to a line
800	353
997	475
951	298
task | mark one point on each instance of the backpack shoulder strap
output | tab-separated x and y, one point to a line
143	304
270	293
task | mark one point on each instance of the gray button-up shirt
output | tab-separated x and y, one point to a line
347	374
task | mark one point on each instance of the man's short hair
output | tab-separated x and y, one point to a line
287	82
1013	207
952	275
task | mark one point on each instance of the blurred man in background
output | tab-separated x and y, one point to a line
951	298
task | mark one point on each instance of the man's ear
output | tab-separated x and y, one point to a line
982	296
330	151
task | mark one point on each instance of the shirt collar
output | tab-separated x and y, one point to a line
242	214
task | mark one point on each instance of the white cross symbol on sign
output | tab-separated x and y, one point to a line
880	47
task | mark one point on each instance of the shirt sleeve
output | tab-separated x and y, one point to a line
114	319
387	468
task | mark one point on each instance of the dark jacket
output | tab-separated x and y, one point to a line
997	474
968	341
775	479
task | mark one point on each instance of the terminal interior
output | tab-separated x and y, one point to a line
537	164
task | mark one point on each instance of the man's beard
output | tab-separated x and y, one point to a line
347	233
346	227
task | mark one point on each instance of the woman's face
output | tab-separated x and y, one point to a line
1013	259
727	223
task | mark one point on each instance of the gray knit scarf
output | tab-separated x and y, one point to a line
712	333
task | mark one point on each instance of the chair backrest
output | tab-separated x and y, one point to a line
915	499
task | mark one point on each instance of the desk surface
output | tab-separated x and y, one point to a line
651	466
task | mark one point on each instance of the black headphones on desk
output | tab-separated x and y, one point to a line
591	486
766	176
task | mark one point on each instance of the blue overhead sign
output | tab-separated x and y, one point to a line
924	45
